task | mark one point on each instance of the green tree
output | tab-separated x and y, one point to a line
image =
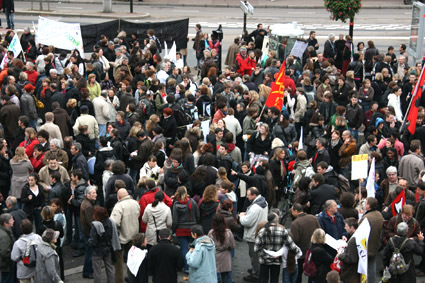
343	10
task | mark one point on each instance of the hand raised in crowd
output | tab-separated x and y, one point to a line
420	236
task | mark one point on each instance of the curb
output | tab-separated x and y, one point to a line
262	6
82	15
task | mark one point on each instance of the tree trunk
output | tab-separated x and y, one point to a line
351	27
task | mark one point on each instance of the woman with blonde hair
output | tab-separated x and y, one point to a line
208	206
221	176
254	99
21	168
30	141
320	256
151	123
185	215
93	86
198	153
264	91
71	108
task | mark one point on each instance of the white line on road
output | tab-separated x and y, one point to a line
186	11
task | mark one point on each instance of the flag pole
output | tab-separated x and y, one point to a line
415	92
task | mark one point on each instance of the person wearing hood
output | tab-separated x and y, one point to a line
185	215
47	268
255	213
208	206
104	153
201	258
157	216
152	171
301	167
331	177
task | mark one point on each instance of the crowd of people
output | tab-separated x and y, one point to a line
148	167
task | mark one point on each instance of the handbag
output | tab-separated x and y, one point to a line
38	103
156	229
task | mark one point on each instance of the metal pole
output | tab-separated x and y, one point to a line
244	23
41	5
131	6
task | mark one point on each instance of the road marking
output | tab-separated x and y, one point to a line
187	11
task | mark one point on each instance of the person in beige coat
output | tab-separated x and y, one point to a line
126	216
53	130
53	165
101	111
157	216
89	120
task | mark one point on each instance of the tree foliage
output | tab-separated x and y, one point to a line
342	10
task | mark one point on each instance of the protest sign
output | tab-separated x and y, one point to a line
15	47
298	49
359	166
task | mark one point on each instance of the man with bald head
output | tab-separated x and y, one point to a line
126	216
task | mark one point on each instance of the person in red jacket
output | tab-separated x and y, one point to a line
37	157
240	57
148	198
249	63
288	82
31	73
30	141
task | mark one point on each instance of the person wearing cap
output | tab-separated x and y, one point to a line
28	107
165	259
47	268
408	248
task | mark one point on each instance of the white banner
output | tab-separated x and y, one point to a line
362	240
370	185
299	48
359	166
61	35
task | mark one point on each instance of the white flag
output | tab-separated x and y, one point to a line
370	185
165	49
14	46
362	239
172	55
301	141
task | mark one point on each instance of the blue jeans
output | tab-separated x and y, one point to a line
102	130
355	133
88	253
184	248
79	237
226	277
289	277
10	18
133	175
32	123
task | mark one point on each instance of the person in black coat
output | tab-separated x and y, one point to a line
321	258
17	214
118	170
171	178
5	170
169	125
327	107
165	259
329	49
122	125
321	153
33	199
320	194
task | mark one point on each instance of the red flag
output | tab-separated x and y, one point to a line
398	202
275	97
413	112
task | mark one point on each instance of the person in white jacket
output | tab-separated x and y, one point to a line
101	111
257	212
152	171
394	101
232	124
157	216
19	247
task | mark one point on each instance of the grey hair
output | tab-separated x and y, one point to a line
238	79
104	93
124	47
402	228
5	217
330	36
56	142
329	203
110	43
108	162
12	201
31	64
391	169
23	76
118	50
77	146
89	189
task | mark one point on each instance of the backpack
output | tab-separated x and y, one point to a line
189	113
30	256
309	266
397	264
147	108
158	43
180	116
343	183
307	171
125	153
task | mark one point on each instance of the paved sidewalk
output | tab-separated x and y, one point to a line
312	4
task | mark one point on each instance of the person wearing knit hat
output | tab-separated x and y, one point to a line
47	268
29	88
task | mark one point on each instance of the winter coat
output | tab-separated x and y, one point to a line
287	135
185	215
47	268
335	227
255	213
90	121
156	218
230	220
101	110
223	257
126	216
302	229
327	110
300	108
201	261
29	146
165	257
207	210
409	249
354	116
171	179
101	240
5	173
319	195
79	193
80	162
350	259
9	114
28	106
86	216
409	168
6	245
346	151
376	222
44	175
323	261
18	253
37	201
111	194
259	146
62	120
